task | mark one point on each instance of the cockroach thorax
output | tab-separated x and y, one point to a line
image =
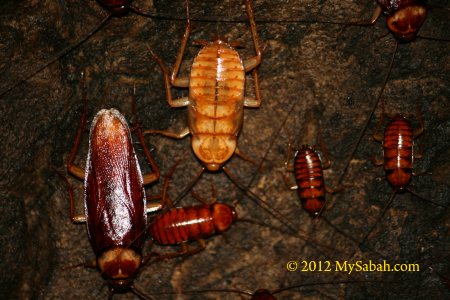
213	150
119	266
223	216
406	22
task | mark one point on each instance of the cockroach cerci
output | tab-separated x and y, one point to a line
216	98
115	204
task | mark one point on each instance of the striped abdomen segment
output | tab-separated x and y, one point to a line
309	178
184	224
216	90
398	152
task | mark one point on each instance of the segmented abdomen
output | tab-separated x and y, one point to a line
309	178
184	224
398	152
216	91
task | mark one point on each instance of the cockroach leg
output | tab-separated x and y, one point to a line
419	130
200	198
373	19
71	167
185	251
253	62
254	102
170	134
377	161
74	218
180	102
182	82
154	176
245	157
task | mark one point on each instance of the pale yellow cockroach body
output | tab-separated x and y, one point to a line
216	98
216	103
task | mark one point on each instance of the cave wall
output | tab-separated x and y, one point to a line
317	79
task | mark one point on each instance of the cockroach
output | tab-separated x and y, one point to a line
308	171
115	203
216	98
404	18
397	143
193	223
398	156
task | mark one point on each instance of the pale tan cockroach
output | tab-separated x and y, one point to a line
216	98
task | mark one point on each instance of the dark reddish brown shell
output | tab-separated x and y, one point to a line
309	177
398	152
404	17
114	193
185	224
116	7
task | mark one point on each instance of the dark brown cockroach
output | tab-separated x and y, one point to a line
115	204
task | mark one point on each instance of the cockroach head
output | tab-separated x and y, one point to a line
223	216
213	150
119	267
406	22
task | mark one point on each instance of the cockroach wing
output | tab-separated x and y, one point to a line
114	194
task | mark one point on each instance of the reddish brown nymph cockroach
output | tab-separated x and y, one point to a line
310	184
398	156
216	98
398	140
183	224
180	225
403	17
115	204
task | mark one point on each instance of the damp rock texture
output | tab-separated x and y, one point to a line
318	82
